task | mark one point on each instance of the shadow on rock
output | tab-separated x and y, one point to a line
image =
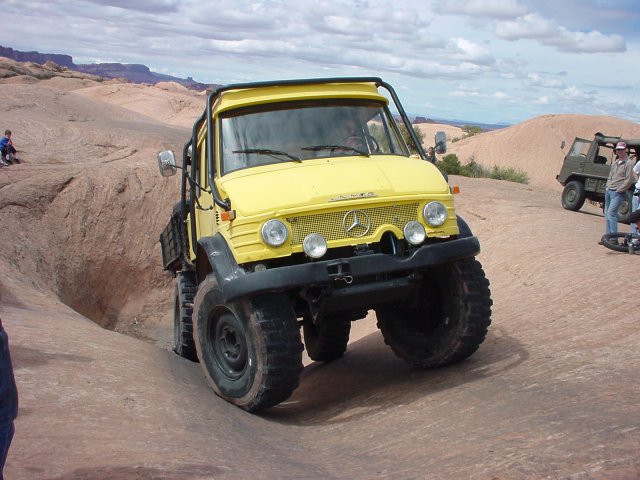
180	472
23	357
370	379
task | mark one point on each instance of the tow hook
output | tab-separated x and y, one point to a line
340	271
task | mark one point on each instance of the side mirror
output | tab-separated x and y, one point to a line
167	163
441	143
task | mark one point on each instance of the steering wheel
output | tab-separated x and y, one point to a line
372	141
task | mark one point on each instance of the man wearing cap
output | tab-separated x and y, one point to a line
635	201
619	181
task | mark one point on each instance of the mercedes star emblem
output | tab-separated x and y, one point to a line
356	223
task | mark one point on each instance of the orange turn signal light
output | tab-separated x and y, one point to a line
455	189
228	216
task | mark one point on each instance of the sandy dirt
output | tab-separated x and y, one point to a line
550	394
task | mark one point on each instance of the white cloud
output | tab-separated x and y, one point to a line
573	93
498	52
534	26
501	9
531	25
538	80
463	49
589	42
501	96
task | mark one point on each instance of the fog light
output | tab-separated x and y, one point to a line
435	214
314	245
414	233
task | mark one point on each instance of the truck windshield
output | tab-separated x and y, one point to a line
306	130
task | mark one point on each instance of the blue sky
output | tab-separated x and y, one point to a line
488	61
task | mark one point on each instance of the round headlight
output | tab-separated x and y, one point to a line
435	214
414	233
314	245
274	233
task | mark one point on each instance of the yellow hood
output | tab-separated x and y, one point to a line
273	188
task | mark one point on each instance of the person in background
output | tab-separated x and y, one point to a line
8	398
8	150
618	183
635	200
431	155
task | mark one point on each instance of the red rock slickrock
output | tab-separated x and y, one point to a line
552	392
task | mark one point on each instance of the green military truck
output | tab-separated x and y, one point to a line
585	170
301	209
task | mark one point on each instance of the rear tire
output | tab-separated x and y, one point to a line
573	195
328	340
185	291
446	322
249	349
625	208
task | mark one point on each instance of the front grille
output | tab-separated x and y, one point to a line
329	224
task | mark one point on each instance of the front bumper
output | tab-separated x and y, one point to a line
346	269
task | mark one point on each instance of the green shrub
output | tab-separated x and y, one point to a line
407	137
450	164
469	131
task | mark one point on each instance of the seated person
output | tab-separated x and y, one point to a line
8	150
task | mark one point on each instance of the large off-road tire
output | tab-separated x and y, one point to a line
185	291
620	242
250	349
447	321
328	340
573	195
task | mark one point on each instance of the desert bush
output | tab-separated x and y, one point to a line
407	137
450	164
469	131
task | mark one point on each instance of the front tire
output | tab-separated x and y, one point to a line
249	349
573	195
185	290
446	322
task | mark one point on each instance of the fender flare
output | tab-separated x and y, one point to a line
465	230
219	256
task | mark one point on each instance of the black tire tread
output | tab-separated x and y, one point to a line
283	347
611	241
186	289
581	194
277	346
478	300
328	341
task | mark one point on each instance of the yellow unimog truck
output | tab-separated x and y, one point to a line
302	209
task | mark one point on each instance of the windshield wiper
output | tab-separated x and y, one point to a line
268	151
336	147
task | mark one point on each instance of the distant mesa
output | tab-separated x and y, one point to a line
134	73
39	58
419	120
